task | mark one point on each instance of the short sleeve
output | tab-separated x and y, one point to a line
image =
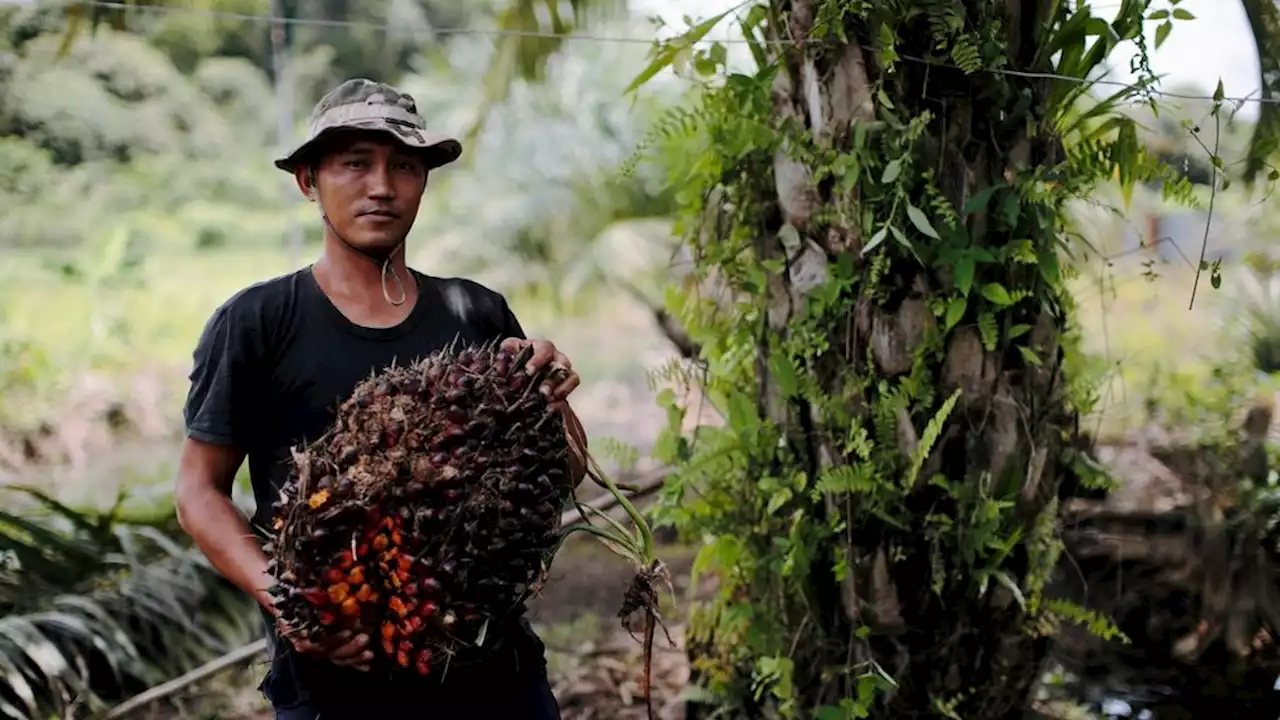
222	381
508	325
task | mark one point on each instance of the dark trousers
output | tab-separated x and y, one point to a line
531	699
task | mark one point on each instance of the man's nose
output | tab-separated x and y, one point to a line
380	185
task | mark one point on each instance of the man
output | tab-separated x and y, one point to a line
276	358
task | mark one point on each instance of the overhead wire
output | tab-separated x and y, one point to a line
1144	88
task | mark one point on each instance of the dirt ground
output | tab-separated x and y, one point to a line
596	668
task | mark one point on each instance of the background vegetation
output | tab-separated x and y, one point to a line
138	194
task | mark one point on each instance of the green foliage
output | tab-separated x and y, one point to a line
147	197
559	222
1206	406
1256	291
95	607
113	132
817	477
384	41
526	51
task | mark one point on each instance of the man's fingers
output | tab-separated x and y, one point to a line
353	648
359	662
354	654
343	648
563	389
543	354
562	379
512	344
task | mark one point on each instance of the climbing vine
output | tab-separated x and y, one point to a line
879	295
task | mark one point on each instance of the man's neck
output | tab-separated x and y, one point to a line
354	272
354	282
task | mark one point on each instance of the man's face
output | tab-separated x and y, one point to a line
369	187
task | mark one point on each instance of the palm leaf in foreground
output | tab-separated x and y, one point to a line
98	609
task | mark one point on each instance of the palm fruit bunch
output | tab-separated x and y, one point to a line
428	511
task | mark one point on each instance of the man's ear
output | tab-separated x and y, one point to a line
306	179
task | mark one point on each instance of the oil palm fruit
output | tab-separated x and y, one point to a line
429	510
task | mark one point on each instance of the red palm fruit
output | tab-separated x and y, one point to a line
350	607
338	593
422	663
397	606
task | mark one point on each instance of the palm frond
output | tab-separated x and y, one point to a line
83	17
97	609
1255	311
523	51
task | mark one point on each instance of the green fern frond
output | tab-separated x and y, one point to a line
675	372
625	455
965	53
682	121
988	330
932	431
855	479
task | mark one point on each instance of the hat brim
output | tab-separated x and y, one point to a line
436	149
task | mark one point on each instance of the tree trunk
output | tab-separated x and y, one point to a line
1010	418
928	429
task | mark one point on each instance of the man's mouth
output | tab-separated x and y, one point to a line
382	214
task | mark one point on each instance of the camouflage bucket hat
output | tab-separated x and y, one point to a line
362	104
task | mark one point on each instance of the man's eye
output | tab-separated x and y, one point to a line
355	163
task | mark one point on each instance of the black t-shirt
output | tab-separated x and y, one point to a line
272	365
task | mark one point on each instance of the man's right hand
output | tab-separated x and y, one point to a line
205	475
343	649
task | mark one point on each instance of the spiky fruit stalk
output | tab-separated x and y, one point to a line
429	510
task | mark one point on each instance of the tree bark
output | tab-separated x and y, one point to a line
948	644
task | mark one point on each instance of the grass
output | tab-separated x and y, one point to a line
143	320
150	316
1140	327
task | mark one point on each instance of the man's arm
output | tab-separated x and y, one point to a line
206	473
220	416
218	419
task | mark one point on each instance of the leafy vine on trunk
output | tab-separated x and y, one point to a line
877	217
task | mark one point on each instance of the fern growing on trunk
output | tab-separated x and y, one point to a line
877	216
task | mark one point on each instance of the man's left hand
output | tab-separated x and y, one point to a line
546	354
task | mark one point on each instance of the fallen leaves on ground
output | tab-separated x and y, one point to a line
603	678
